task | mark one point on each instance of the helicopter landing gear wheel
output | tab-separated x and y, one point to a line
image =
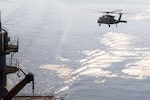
99	24
108	25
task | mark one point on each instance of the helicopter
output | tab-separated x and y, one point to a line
109	19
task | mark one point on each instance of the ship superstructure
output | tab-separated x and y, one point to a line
9	66
6	48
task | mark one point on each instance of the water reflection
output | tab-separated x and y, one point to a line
119	48
118	57
98	62
139	69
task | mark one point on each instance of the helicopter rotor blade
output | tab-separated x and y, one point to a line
106	11
97	11
119	10
123	13
128	13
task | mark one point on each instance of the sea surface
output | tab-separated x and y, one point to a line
71	56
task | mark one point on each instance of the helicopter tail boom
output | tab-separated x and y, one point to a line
122	21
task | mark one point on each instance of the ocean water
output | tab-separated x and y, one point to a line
70	55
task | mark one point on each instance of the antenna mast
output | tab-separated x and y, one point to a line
0	22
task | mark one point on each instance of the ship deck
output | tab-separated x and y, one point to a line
34	98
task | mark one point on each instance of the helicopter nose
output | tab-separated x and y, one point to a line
99	20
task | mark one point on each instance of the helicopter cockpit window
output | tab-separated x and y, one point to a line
105	16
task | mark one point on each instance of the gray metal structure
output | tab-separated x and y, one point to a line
6	48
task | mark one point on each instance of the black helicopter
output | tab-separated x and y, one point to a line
110	19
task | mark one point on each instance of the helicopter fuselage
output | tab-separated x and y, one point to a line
109	19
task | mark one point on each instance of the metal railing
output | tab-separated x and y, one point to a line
12	62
